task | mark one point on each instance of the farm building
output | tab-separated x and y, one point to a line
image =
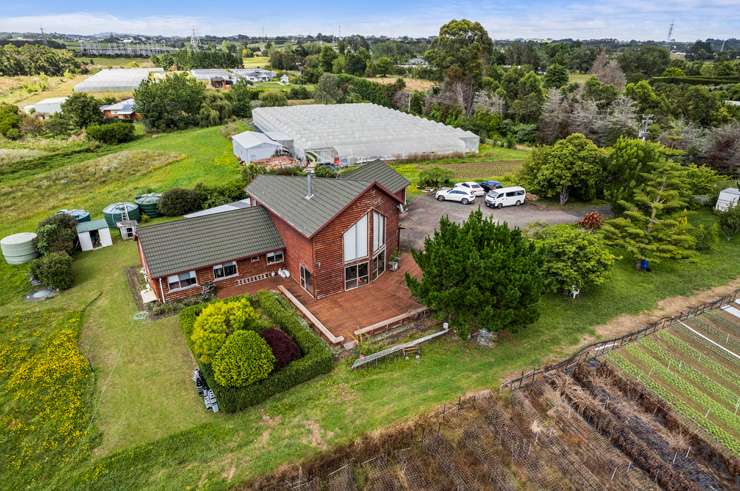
116	80
93	235
328	235
120	110
349	133
215	77
728	198
254	74
46	107
251	145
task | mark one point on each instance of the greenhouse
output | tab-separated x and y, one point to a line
116	80
348	133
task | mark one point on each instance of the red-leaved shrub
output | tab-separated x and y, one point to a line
282	345
591	221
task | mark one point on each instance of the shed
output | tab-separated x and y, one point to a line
93	235
728	198
251	145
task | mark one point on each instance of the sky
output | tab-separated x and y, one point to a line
504	19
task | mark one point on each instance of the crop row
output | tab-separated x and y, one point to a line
716	351
678	403
710	327
707	361
700	380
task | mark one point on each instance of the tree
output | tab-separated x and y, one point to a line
53	270
171	103
244	359
573	165
327	57
461	53
10	121
644	61
327	90
649	228
648	101
81	110
242	95
58	233
721	149
382	66
555	118
216	322
608	71
556	76
356	62
178	201
461	279
273	98
574	259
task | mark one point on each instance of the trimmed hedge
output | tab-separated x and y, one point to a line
111	133
697	80
317	357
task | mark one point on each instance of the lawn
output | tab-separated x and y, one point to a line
111	62
27	90
257	62
579	78
415	84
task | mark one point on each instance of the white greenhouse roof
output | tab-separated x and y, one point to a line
251	139
116	80
125	106
364	131
51	105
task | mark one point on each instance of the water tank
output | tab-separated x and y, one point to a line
18	248
116	212
79	215
149	203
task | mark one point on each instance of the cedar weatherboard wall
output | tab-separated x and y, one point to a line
298	249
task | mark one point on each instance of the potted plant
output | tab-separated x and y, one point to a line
395	261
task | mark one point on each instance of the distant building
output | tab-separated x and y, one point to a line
46	107
254	74
417	62
116	80
251	145
120	110
217	78
284	79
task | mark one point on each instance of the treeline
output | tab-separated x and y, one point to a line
32	59
188	58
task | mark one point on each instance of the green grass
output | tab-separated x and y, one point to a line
256	62
579	78
109	62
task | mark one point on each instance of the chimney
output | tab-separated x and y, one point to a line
309	184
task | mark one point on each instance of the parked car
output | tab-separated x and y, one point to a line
490	185
461	195
473	187
511	196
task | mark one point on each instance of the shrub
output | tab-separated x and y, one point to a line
54	270
178	201
282	346
112	133
591	221
435	177
245	358
729	221
271	98
58	233
210	196
706	238
317	357
217	322
81	110
10	121
325	171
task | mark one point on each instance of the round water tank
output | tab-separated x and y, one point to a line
18	248
79	215
116	212
149	203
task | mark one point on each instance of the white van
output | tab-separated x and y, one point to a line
511	196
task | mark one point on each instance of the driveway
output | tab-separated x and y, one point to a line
424	214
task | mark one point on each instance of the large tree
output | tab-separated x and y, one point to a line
81	110
556	76
479	275
461	53
571	166
171	103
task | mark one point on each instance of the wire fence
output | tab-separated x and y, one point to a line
602	348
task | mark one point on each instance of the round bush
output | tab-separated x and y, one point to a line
111	133
58	233
245	358
282	346
217	322
178	201
54	270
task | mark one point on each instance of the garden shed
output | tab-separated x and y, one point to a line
728	198
93	235
251	145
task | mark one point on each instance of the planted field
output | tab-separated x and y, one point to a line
697	378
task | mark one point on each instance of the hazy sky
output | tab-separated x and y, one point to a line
622	19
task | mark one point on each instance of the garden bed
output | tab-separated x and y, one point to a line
316	356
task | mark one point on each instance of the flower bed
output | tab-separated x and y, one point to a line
316	360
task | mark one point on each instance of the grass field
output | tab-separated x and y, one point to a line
695	377
115	62
579	78
257	62
415	84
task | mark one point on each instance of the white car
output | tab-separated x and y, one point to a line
475	188
460	195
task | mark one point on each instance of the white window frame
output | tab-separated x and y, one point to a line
223	267
378	244
271	257
353	247
179	278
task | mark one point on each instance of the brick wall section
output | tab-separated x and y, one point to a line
328	243
298	249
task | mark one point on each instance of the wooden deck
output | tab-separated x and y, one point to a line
346	312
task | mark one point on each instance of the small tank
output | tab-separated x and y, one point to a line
79	215
19	248
149	203
116	212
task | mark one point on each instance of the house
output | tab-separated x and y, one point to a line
328	235
123	110
251	145
93	235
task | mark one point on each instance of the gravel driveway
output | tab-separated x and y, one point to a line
424	214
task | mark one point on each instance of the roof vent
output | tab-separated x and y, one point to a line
309	184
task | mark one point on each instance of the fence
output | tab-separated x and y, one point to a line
601	348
